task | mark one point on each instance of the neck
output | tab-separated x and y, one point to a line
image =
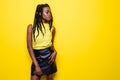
44	21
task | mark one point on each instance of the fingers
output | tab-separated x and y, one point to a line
39	73
52	59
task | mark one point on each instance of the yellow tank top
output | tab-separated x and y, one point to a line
43	41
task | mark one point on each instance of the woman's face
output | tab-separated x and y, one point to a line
46	15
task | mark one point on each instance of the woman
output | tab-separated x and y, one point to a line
40	44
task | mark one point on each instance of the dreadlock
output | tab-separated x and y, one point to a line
37	24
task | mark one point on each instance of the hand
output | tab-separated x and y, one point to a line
52	57
38	70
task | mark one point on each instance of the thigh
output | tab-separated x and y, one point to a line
35	77
50	77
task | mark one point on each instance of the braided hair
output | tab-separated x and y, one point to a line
37	24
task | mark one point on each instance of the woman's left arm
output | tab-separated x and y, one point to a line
53	55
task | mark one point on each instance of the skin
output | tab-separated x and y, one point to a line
46	14
46	18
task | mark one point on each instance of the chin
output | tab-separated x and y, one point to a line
48	20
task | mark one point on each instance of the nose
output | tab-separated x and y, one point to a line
49	14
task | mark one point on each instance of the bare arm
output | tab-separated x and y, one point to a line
29	44
30	49
53	55
53	35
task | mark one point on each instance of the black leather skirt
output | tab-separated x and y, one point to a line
42	57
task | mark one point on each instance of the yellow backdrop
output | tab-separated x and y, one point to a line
87	38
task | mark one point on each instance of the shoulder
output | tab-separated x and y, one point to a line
53	29
29	28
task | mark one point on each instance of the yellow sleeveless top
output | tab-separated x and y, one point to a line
43	41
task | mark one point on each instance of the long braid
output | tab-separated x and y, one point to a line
37	24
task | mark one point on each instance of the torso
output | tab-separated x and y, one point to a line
43	41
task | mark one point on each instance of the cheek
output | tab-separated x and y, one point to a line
44	16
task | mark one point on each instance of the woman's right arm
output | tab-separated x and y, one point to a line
29	44
30	49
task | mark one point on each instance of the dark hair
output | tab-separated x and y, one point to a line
37	25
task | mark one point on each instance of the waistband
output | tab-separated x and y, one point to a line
42	49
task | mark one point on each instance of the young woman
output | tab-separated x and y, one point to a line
40	43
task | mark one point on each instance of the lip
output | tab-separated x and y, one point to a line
49	17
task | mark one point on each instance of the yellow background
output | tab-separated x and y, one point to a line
87	38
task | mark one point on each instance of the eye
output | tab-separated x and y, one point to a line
47	11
